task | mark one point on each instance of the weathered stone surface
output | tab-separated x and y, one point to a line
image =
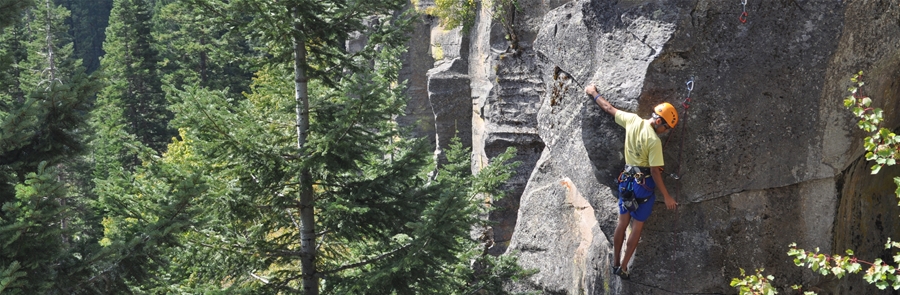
450	96
579	143
753	175
416	63
506	96
867	216
766	153
511	113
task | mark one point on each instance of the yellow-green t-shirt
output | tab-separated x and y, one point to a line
642	146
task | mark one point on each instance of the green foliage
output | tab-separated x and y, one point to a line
825	264
385	224
879	273
87	26
455	13
882	145
214	210
148	210
9	276
504	12
195	51
754	284
492	273
10	11
32	232
131	68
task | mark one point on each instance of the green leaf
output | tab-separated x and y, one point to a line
866	101
837	271
876	169
854	267
897	183
849	101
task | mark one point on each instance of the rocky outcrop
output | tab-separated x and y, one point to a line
765	155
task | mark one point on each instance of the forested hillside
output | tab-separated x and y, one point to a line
226	147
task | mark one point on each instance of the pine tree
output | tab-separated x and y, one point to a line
133	78
194	51
87	24
45	101
10	9
325	185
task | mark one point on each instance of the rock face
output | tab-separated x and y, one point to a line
765	154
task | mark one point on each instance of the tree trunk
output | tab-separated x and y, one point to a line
307	219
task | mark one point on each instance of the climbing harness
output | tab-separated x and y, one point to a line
631	176
744	14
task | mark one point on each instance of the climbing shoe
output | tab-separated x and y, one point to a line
615	270
622	273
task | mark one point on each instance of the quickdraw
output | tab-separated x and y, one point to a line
744	14
687	101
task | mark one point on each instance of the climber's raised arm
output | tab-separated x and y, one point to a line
600	100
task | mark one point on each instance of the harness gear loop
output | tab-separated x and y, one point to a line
639	178
634	173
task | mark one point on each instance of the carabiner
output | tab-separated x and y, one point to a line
744	14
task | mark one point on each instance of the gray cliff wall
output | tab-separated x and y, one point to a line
766	154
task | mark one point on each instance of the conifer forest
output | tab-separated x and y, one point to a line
227	147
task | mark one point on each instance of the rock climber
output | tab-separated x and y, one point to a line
642	173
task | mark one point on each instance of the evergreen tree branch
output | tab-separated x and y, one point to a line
322	274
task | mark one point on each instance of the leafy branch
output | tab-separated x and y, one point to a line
882	145
879	273
456	13
755	284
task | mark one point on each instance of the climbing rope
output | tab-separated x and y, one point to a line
744	14
686	103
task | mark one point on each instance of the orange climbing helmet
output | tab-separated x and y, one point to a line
668	113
